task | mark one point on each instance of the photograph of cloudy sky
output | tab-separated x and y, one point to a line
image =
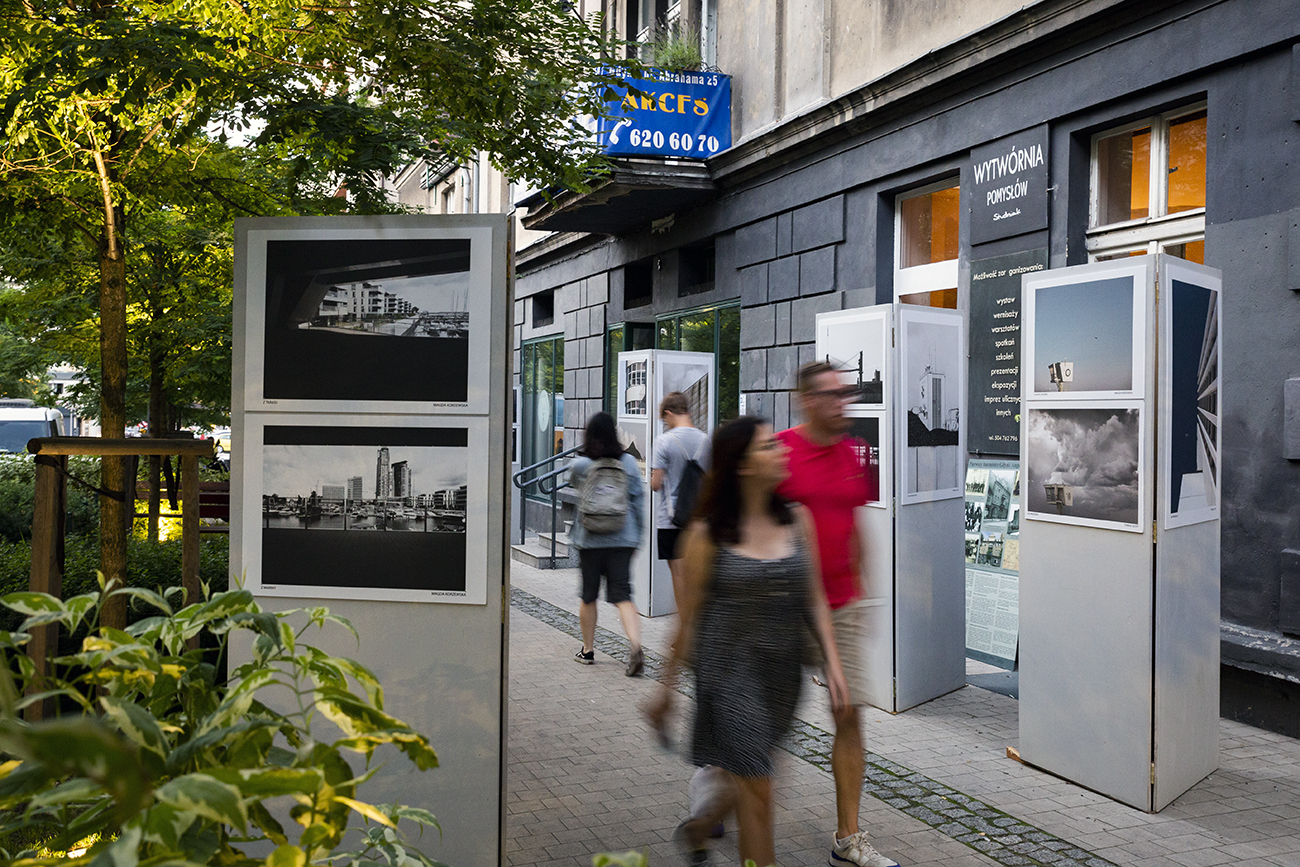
1092	451
1089	324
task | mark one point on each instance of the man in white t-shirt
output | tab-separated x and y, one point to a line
680	443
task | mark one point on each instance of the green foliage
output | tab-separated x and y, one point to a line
166	764
17	491
675	49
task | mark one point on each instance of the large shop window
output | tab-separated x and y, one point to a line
1148	188
623	337
925	245
542	416
709	329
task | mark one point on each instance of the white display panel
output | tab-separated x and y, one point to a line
856	343
366	315
421	543
1190	406
1085	332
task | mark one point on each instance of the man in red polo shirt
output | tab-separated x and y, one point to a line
830	479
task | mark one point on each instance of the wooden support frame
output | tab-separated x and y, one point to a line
49	517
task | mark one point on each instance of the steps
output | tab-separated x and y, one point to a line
536	552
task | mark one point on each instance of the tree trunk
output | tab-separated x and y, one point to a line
114	522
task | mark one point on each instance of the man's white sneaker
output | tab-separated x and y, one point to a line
855	851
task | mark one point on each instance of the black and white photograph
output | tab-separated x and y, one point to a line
635	381
932	390
1084	466
864	432
380	510
692	375
855	346
368	319
1191	401
1085	335
633	436
974	515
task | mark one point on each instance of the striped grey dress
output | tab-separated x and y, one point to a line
748	644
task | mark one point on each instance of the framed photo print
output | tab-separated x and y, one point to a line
931	389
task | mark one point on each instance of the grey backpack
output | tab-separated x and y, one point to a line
602	502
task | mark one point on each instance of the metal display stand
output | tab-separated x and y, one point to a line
644	377
909	363
403	426
1119	551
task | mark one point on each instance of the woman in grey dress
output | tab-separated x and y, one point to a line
751	586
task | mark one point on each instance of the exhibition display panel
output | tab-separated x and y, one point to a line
370	412
1119	542
908	364
644	377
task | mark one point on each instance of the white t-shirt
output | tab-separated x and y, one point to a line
672	450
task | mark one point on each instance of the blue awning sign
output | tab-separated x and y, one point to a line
675	114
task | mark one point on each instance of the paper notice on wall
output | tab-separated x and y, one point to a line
993	561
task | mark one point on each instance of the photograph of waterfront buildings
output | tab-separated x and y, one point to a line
341	501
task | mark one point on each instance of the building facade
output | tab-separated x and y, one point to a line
878	153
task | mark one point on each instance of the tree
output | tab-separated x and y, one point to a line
100	96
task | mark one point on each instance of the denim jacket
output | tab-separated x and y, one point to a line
630	535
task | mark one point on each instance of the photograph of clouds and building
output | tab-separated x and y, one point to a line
1082	464
1090	327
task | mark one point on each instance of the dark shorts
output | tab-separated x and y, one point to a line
668	543
613	563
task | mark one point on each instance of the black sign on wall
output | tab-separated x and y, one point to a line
1009	186
993	409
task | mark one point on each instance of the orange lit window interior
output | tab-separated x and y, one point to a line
1124	182
929	226
1187	163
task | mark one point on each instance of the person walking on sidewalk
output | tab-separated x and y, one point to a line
679	445
750	588
830	479
606	533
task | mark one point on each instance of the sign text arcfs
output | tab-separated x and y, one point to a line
671	114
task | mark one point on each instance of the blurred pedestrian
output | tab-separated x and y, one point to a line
750	591
830	479
675	449
607	532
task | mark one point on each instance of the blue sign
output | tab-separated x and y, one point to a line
673	114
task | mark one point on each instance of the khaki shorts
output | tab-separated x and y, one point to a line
850	623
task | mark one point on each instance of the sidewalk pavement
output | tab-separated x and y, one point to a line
586	776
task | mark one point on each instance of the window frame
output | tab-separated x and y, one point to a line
1159	229
924	278
716	308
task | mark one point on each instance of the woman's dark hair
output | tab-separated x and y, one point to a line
719	506
601	438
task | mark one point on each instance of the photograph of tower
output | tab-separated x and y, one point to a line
932	390
1083	337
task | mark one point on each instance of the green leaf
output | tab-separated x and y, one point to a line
122	852
136	723
287	856
29	603
270	782
72	791
263	819
206	796
417	814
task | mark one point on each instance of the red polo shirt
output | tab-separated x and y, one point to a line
830	482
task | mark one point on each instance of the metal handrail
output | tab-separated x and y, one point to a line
523	483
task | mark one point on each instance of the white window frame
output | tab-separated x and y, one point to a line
1159	229
935	276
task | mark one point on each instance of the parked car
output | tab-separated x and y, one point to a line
22	420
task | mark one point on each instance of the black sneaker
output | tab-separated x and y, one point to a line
636	663
586	657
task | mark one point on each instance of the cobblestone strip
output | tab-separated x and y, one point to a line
999	836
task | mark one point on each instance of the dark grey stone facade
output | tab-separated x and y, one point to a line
810	228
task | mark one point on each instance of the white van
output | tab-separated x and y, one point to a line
21	420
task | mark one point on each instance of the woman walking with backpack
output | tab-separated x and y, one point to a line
608	530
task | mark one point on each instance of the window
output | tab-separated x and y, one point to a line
709	329
624	337
1148	187
696	270
542	419
926	228
544	308
638	283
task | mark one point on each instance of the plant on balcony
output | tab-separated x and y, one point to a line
156	761
675	48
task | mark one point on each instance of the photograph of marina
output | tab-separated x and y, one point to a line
372	507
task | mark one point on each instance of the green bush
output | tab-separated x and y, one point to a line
17	491
167	762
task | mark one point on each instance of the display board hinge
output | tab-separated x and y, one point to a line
1153	773
891	336
1155	527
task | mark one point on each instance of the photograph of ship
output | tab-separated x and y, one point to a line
382	506
1082	465
932	388
1193	402
368	320
1089	325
